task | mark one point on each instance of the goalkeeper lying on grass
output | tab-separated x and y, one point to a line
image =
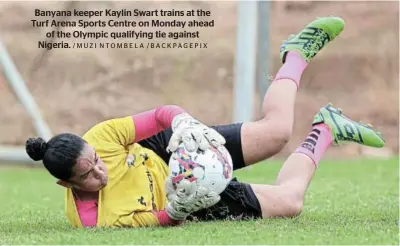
116	174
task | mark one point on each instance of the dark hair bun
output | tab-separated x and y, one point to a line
35	148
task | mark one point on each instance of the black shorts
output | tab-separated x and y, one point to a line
238	200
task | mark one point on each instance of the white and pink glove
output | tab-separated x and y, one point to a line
193	134
182	202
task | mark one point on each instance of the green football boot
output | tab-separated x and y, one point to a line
313	37
345	129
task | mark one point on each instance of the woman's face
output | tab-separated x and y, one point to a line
90	172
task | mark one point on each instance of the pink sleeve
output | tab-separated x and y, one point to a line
87	211
165	220
154	121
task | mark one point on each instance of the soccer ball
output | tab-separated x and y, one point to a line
211	168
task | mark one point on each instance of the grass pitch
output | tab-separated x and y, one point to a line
347	203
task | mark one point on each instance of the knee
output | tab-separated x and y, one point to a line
280	134
285	208
292	208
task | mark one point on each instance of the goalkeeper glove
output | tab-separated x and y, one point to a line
182	202
193	134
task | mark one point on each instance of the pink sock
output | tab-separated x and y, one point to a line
292	68
316	143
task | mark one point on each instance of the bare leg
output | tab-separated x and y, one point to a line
266	137
286	199
287	196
